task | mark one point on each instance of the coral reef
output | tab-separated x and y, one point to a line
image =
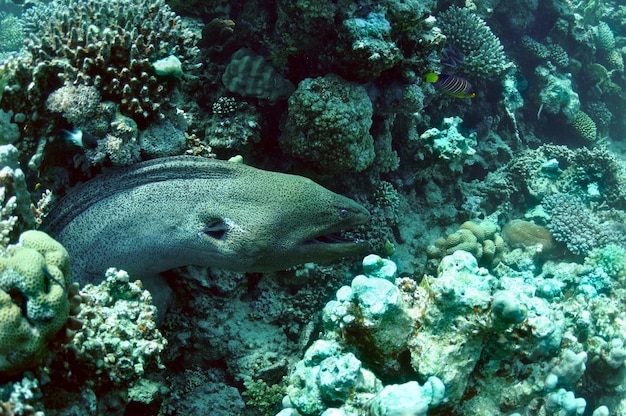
585	128
13	180
365	46
458	320
119	342
481	239
251	75
34	304
557	95
11	34
579	229
328	125
449	144
111	46
467	32
525	234
77	104
234	125
163	139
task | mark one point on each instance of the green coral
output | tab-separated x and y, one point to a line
605	41
34	304
264	398
11	36
605	37
610	258
585	127
484	54
328	125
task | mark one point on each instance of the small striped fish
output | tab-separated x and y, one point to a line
453	85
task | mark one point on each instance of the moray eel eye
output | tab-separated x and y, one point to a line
343	213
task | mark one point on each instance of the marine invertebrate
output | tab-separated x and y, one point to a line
326	376
557	94
448	144
119	341
576	226
120	144
610	258
34	303
481	239
365	48
11	34
77	103
234	125
162	139
466	31
251	75
9	131
605	40
371	315
524	234
110	45
585	127
328	125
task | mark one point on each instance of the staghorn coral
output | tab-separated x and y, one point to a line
484	54
110	45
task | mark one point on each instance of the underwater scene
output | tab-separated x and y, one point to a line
312	207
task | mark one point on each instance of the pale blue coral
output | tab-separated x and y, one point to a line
449	144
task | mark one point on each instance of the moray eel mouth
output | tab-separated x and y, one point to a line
336	238
331	244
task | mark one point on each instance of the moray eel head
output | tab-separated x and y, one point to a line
291	220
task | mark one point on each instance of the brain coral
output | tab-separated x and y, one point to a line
484	54
480	239
328	125
109	44
34	304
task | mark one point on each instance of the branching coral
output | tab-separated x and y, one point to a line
578	228
110	45
484	54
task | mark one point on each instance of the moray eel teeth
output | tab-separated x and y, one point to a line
178	211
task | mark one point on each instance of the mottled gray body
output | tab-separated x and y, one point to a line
179	211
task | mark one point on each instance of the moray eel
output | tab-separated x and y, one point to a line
184	210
